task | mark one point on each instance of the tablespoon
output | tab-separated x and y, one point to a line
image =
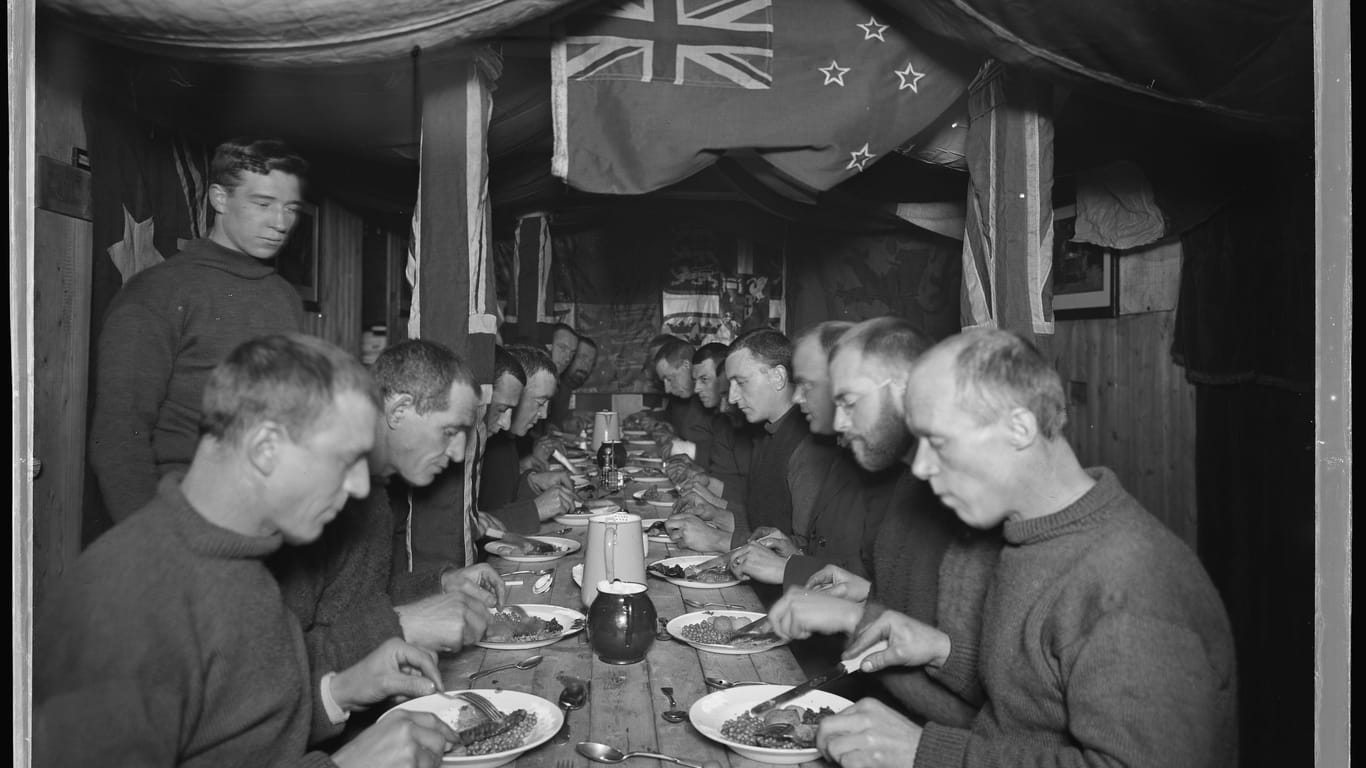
526	663
673	714
723	684
601	753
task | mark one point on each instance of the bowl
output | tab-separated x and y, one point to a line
710	712
549	718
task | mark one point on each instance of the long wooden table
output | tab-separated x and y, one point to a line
625	702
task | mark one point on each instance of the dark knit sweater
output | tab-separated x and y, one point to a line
1103	642
732	449
167	644
503	489
692	421
906	574
337	586
162	336
768	500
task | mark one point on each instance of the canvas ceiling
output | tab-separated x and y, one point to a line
338	78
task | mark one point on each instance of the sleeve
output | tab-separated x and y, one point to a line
800	568
405	586
136	353
964	576
519	516
111	722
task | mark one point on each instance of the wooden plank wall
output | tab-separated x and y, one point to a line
1138	414
338	319
61	322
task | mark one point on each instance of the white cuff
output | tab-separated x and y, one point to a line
335	713
684	447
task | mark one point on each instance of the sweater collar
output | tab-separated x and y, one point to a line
211	254
1076	515
206	538
772	427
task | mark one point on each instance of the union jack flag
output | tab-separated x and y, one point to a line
712	43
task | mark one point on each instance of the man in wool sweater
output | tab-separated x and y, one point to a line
353	587
173	322
168	642
1100	640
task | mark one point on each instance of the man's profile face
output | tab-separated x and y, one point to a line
705	384
534	402
753	389
256	216
422	445
507	392
865	411
677	378
581	367
563	345
967	462
811	377
315	474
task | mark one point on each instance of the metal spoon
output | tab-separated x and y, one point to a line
526	663
673	714
571	698
601	753
723	684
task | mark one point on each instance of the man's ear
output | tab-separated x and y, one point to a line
263	444
1022	427
778	374
218	197
397	408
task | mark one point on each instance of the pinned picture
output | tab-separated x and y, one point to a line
1085	277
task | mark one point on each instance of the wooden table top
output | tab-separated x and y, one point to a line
625	702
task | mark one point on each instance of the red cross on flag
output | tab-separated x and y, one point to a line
649	92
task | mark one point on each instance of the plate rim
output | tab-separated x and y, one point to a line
728	650
496	758
497	646
685	582
769	688
537	558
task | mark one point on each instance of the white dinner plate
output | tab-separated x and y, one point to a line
576	573
634	433
510	552
651	460
666	497
676	625
662	538
645	443
709	713
570	619
549	718
684	561
579	517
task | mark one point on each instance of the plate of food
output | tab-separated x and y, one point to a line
674	570
658	533
656	496
578	516
641	441
649	475
516	553
649	460
528	721
724	717
707	630
518	627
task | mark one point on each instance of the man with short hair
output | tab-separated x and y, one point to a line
564	344
1100	638
837	508
522	500
355	585
687	424
172	323
758	367
168	642
725	474
580	369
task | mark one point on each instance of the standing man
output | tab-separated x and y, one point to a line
1100	639
172	323
168	642
522	500
758	367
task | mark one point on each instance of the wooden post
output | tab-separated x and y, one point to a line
454	285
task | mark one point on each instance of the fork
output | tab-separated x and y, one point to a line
564	764
483	705
701	605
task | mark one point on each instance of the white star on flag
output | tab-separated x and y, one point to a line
872	30
833	73
859	159
910	78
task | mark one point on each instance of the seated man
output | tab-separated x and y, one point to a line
836	507
686	427
520	499
725	476
758	367
340	585
168	642
1100	638
580	368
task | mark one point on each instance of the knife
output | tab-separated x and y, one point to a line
693	570
751	628
845	667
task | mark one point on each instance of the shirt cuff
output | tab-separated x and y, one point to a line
335	713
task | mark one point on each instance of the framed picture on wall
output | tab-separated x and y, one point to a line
1085	277
297	261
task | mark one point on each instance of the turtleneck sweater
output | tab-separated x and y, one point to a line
162	336
168	644
1102	642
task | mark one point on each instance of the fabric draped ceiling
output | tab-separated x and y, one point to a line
283	33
